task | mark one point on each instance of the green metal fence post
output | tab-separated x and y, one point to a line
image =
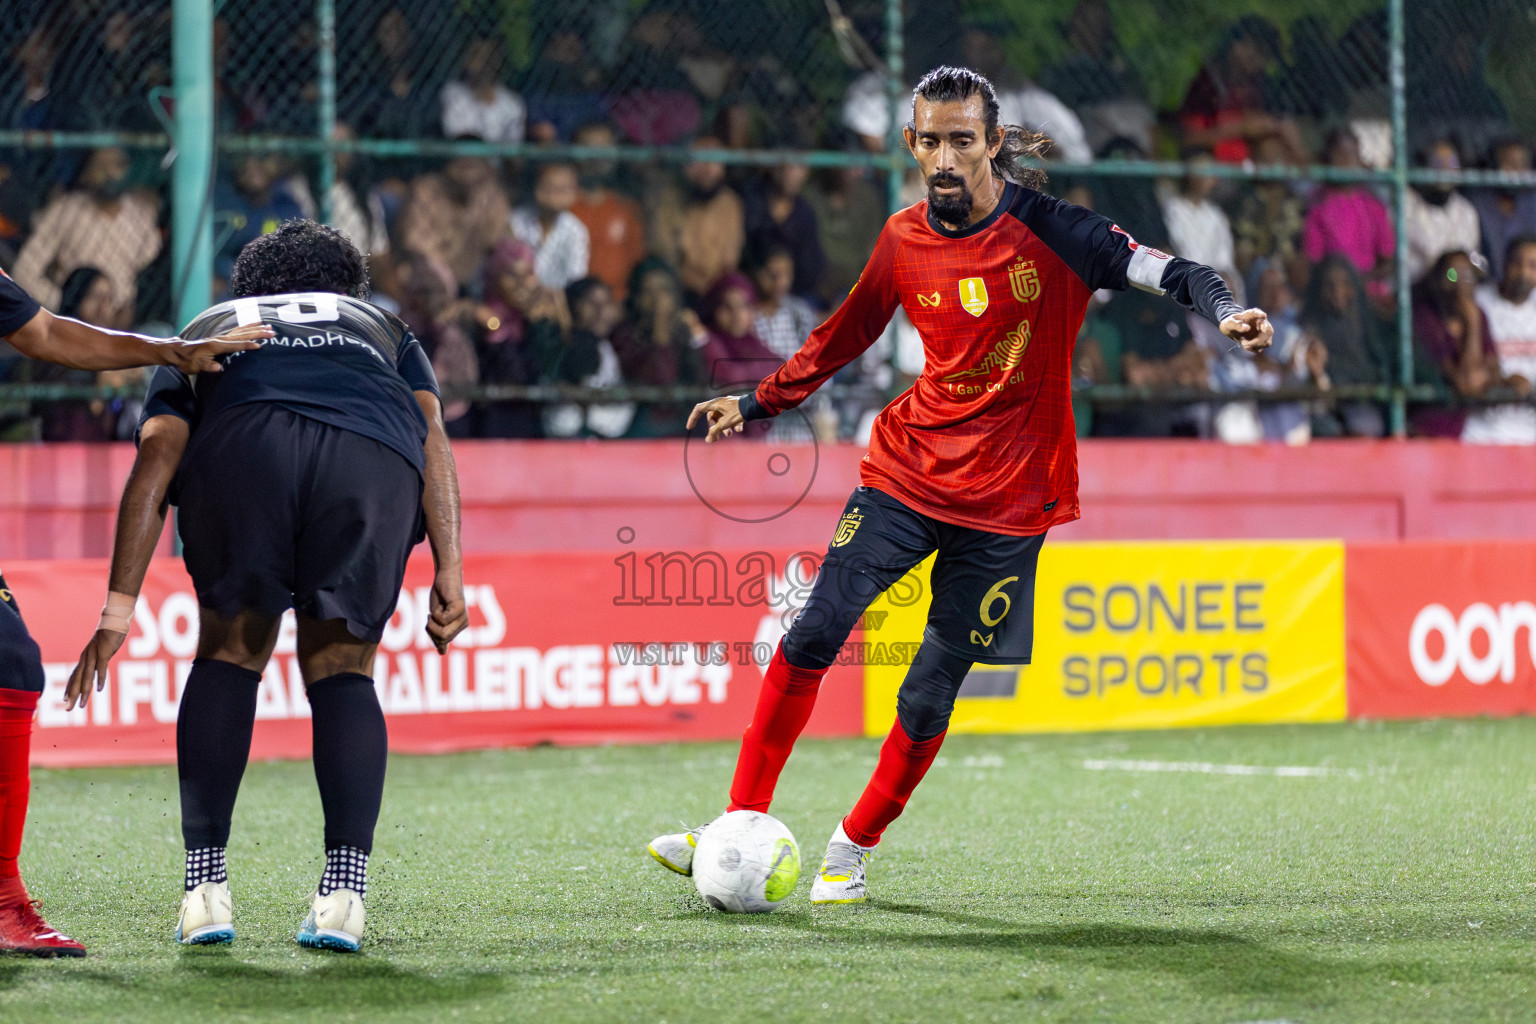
325	17
192	179
894	90
1400	212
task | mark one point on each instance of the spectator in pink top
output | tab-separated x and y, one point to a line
733	353
1347	219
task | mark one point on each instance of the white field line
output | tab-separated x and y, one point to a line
1289	771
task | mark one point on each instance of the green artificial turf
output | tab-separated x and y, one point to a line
1021	885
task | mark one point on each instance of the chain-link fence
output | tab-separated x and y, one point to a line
580	207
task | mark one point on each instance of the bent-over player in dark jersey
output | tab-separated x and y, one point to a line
304	473
975	461
38	334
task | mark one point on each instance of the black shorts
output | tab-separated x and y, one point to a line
21	660
983	584
280	511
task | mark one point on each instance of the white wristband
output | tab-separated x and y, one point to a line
117	612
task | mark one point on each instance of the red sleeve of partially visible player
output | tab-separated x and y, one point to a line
839	341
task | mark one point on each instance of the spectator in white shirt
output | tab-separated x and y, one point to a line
1198	230
1440	219
1025	103
782	321
99	222
867	112
557	235
479	106
1030	106
357	212
1511	311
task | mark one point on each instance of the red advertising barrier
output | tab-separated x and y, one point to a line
59	500
1436	629
656	646
562	647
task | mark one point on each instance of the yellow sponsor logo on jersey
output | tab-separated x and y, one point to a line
1025	280
1005	356
847	527
973	295
929	300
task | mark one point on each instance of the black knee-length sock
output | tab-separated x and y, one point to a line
351	748
213	743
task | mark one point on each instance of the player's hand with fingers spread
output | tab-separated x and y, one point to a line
1250	328
92	666
448	614
202	356
723	416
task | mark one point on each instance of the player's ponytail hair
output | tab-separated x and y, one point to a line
947	84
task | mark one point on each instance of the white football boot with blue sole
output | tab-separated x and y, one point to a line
206	916
335	922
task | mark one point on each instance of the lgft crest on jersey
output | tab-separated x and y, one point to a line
1025	280
973	295
847	527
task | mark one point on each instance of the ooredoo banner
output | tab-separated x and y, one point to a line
1149	635
1441	629
562	647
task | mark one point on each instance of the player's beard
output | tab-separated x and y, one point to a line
953	208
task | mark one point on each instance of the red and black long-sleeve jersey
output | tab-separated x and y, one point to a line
985	436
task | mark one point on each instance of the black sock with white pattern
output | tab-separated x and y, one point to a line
346	867
205	865
351	749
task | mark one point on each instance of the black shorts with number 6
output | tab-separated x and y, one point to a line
983	584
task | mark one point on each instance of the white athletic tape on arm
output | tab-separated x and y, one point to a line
1146	269
117	613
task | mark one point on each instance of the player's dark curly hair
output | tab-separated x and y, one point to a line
945	84
300	256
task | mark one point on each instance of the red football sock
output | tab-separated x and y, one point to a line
16	710
903	763
783	707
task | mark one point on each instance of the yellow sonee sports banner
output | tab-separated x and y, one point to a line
1146	636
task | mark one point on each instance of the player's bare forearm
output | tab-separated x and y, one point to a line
79	346
140	520
440	497
141	516
440	505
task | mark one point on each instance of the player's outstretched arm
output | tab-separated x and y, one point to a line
723	416
140	520
852	328
79	346
1198	287
440	502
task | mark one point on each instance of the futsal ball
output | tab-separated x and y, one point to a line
746	862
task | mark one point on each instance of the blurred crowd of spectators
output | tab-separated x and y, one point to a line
602	273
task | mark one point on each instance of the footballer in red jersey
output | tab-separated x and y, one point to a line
37	333
977	460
